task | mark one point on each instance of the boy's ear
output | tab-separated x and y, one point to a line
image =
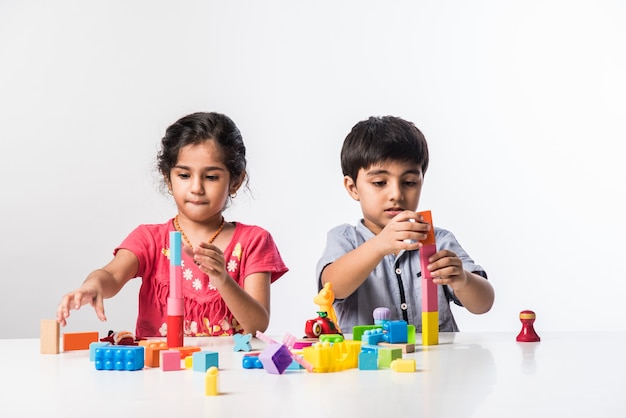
350	186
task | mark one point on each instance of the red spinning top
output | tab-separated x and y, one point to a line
527	334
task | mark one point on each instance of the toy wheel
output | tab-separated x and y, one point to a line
317	329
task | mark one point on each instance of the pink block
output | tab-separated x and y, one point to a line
430	303
170	360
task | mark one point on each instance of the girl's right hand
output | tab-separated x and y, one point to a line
77	298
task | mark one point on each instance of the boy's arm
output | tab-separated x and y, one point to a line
350	270
477	294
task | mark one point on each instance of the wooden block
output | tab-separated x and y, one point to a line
49	336
406	348
79	340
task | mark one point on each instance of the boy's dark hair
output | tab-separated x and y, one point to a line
380	139
197	128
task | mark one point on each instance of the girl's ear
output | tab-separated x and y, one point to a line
235	184
350	186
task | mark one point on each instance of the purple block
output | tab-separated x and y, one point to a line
276	358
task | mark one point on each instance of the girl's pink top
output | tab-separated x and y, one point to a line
251	250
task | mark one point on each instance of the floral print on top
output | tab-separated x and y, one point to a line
251	250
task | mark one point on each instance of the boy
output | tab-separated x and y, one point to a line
376	263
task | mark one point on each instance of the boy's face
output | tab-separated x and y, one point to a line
384	190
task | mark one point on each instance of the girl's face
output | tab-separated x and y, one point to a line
384	190
200	182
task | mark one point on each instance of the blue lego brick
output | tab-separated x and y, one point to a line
396	332
93	346
119	357
202	360
251	362
373	336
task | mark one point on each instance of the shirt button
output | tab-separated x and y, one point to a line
404	306
398	271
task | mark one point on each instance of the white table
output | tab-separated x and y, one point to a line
466	375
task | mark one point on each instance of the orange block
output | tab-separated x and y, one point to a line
186	351
153	353
79	340
428	218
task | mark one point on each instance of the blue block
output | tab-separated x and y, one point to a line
368	360
373	336
396	332
251	362
202	360
93	346
119	357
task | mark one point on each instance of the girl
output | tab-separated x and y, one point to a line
227	266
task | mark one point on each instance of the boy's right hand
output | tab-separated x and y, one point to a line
77	298
403	232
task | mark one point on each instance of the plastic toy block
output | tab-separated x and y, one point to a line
368	360
403	365
304	342
430	303
170	360
406	348
430	328
331	338
396	332
251	361
175	300
387	355
410	334
358	330
276	358
373	336
325	357
78	340
188	362
290	340
92	349
211	381
185	351
153	356
49	336
204	360
242	342
146	343
119	357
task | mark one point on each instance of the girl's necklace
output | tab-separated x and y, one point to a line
182	233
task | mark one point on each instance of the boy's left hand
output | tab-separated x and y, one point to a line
446	268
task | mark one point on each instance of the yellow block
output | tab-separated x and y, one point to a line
211	382
430	328
403	365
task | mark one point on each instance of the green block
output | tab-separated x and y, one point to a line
387	355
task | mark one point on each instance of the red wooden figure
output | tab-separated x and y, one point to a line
527	334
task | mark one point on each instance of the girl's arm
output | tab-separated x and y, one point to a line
250	305
100	284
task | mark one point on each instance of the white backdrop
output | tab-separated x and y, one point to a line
522	103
